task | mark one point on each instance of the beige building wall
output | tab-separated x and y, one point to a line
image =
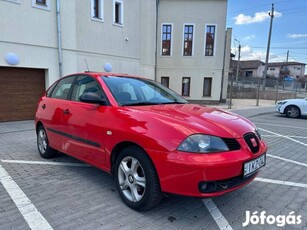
31	34
26	32
198	13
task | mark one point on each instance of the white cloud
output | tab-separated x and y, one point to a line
247	53
250	37
246	49
297	36
243	19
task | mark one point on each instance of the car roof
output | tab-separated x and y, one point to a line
99	74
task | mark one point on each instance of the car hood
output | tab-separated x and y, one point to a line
295	100
192	118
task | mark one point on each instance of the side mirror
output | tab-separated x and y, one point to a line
92	98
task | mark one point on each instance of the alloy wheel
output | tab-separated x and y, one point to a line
131	178
42	141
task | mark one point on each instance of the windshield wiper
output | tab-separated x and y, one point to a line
152	103
139	103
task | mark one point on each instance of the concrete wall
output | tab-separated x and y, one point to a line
31	34
251	93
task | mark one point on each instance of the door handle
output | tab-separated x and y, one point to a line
66	111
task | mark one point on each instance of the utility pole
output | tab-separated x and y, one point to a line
231	83
271	14
287	60
238	64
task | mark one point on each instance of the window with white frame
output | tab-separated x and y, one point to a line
210	38
118	12
41	4
166	39
188	34
97	9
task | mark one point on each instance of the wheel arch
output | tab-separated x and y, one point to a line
119	147
38	124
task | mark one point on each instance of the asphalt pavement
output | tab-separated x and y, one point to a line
64	193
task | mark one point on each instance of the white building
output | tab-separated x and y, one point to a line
290	69
42	40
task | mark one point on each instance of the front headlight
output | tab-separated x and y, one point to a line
281	102
199	143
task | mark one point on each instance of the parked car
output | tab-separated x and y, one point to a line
148	137
293	108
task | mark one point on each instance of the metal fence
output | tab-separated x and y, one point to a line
275	89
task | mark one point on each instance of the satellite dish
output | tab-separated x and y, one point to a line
108	67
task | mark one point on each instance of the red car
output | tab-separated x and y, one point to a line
151	139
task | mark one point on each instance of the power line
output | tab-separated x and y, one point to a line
280	47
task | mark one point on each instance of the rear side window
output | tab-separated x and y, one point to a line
62	88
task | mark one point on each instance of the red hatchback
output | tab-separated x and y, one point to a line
151	139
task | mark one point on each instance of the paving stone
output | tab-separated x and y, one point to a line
85	197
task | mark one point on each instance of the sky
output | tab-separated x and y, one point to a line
250	22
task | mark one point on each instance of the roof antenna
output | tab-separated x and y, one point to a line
88	70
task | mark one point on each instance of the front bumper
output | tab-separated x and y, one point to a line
184	173
279	108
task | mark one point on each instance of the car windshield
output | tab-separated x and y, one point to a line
135	91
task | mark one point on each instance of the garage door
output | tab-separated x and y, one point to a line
20	90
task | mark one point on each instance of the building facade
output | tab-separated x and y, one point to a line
191	51
295	70
250	68
43	40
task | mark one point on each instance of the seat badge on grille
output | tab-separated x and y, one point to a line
254	142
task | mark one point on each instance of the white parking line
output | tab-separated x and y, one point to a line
281	182
288	160
46	163
268	135
284	126
216	214
29	212
286	137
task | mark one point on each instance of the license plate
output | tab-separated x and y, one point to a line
253	165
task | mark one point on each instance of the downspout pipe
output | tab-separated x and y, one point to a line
157	27
59	33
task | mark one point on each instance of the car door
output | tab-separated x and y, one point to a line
87	123
54	115
304	112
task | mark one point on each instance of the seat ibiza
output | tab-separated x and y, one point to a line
149	138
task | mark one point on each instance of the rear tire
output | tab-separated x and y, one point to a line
136	179
292	111
43	144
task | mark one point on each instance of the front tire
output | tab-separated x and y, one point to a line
43	144
292	111
136	179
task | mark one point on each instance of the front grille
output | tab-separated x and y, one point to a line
252	141
232	144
